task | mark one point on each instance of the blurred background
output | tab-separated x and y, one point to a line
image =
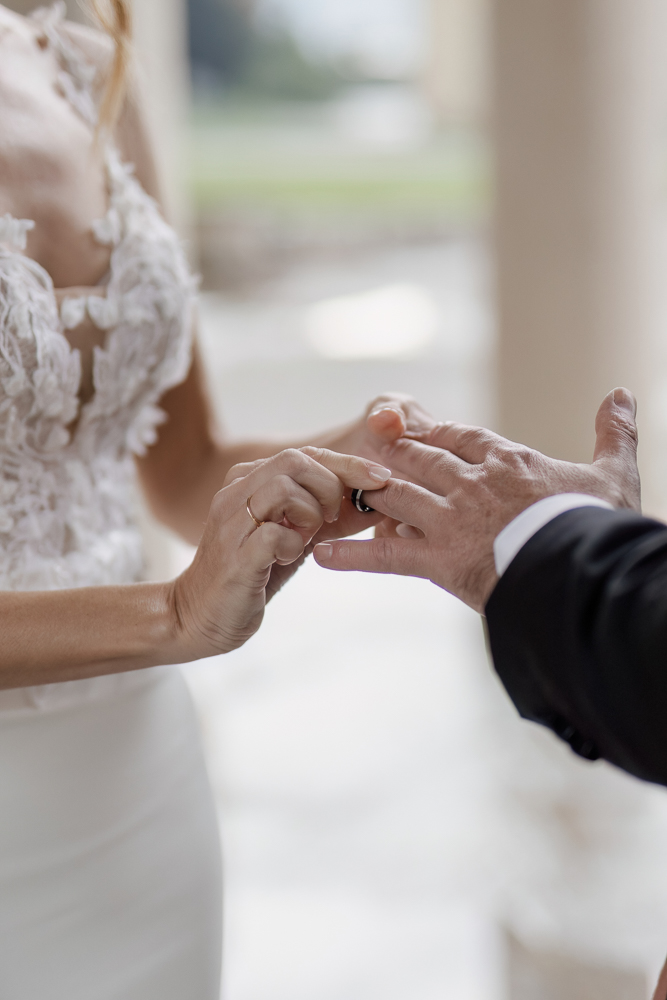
463	200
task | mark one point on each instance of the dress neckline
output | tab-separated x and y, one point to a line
147	313
75	82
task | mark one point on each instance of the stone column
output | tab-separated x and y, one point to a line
455	75
161	47
577	123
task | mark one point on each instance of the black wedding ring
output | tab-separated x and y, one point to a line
359	503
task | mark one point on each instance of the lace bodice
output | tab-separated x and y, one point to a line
67	496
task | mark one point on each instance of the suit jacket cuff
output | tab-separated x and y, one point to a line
514	536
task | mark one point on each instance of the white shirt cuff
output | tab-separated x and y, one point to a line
519	531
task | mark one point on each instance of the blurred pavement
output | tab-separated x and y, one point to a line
387	818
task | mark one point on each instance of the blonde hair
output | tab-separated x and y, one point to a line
115	17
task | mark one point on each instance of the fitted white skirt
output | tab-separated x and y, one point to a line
110	879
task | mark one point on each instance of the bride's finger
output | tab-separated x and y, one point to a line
284	500
242	470
352	471
324	474
272	543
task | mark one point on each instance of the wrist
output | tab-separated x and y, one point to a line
162	636
479	584
185	637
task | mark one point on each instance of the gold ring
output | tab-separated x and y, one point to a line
258	524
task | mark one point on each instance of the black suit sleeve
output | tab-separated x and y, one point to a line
578	633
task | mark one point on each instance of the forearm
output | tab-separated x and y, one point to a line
52	636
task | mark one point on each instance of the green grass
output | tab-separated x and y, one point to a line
285	160
455	196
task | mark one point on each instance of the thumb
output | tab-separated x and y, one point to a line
616	445
376	555
616	429
387	422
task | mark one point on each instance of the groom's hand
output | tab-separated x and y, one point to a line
466	484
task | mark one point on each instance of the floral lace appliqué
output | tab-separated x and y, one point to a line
67	479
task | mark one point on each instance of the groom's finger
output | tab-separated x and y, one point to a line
616	429
404	502
471	444
400	556
437	470
616	446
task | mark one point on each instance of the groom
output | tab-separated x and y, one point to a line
571	577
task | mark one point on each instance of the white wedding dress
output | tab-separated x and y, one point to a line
109	855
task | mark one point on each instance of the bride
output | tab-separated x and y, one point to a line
109	857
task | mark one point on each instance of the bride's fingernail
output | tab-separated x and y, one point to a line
379	472
324	550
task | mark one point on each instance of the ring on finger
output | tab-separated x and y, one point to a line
359	503
258	524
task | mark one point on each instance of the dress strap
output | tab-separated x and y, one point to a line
77	75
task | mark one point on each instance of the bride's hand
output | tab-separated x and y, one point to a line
219	600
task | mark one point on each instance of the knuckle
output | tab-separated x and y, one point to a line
394	490
218	504
625	427
294	459
402	496
325	459
243	469
237	471
506	453
441	432
385	553
334	493
343	554
522	453
284	485
433	461
454	429
469	435
272	533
